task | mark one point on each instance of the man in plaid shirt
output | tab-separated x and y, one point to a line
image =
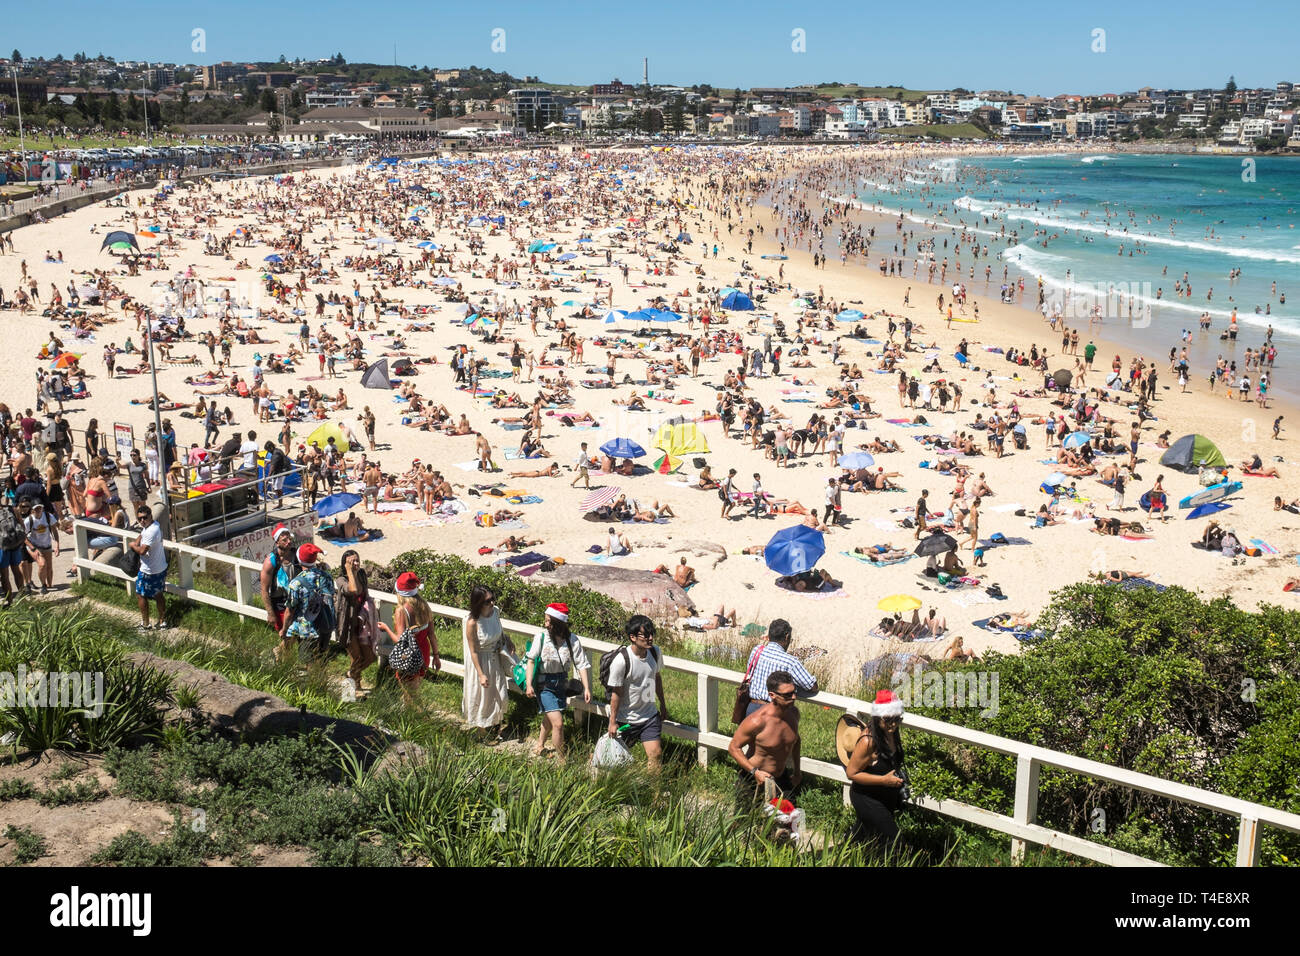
775	656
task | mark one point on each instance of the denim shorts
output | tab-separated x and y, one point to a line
551	696
12	558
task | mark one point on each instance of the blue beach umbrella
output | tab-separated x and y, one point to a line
856	459
793	550
614	315
426	245
566	257
273	258
622	448
849	315
333	504
1075	439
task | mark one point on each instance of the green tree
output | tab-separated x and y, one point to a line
1230	87
273	124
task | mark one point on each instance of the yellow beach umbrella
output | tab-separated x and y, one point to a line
899	603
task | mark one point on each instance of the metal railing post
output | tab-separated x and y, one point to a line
1026	810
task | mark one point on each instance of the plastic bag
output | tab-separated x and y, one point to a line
610	752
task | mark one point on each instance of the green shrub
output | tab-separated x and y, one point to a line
29	846
447	579
135	698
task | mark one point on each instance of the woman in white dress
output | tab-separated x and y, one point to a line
486	692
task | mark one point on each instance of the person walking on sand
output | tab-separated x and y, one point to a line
974	522
583	465
728	493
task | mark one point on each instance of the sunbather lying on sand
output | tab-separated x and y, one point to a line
515	544
553	471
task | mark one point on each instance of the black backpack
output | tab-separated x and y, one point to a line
607	662
12	534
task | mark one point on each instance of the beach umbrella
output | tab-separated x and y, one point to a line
65	360
444	280
793	550
666	464
598	497
379	241
273	258
898	603
640	315
856	459
939	543
1054	479
849	315
738	302
536	246
622	448
1075	439
801	303
663	315
462	308
426	245
566	257
614	315
333	504
1211	508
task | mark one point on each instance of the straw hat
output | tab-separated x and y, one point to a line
847	732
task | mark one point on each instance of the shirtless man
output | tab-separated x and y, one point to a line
371	479
766	743
483	448
684	574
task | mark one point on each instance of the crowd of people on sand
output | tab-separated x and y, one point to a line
478	350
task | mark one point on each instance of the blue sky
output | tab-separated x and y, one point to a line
1038	48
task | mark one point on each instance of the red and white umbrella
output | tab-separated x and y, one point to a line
600	496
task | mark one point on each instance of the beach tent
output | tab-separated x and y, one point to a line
1192	451
738	302
325	432
404	366
376	376
119	240
681	440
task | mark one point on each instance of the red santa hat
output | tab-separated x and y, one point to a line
558	611
886	705
408	584
279	530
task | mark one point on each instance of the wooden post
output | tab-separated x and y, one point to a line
1026	800
1249	835
706	696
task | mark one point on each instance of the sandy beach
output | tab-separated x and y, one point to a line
627	203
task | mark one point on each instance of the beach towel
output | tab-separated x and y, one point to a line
375	535
607	558
1263	545
384	507
863	559
514	426
466	465
523	560
1257	474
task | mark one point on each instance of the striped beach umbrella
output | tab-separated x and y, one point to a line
598	497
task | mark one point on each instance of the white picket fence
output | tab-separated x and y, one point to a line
1021	826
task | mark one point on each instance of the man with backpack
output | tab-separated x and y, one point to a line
309	615
631	675
278	569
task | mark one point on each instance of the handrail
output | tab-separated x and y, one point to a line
1022	826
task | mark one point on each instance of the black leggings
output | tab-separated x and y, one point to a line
875	808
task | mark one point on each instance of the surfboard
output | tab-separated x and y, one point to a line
1213	493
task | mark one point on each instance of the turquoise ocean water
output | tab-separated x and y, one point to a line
1136	224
